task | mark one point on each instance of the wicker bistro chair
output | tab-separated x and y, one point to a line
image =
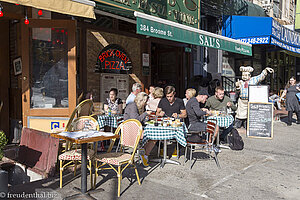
82	109
131	131
207	144
73	156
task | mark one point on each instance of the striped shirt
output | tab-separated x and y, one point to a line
253	81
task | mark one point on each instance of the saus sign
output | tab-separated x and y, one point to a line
185	12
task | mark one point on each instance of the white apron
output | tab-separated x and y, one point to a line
242	109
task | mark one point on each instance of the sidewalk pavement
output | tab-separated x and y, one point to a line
265	169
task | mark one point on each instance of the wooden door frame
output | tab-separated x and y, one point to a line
70	25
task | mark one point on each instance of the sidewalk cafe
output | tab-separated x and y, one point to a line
62	67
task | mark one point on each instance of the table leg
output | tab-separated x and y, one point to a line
84	168
164	160
83	190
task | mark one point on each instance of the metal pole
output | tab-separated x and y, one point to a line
84	168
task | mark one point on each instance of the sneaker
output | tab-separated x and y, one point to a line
217	150
144	159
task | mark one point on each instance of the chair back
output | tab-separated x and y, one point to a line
131	131
85	123
211	128
85	108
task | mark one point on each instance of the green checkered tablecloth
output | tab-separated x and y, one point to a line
111	121
152	132
222	121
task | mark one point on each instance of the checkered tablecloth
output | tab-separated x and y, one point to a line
111	121
161	133
222	121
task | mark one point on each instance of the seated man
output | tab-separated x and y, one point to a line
171	106
221	102
194	113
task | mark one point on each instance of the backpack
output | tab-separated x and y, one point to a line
235	140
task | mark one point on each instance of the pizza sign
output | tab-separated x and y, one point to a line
113	58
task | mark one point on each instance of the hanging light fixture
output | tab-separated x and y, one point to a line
40	12
26	21
1	13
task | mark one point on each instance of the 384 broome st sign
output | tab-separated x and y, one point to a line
185	12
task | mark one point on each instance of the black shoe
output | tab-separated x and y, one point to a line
289	124
298	122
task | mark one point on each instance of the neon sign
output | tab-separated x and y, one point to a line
113	58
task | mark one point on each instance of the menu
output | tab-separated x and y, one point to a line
119	81
260	120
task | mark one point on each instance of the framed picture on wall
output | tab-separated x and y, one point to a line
17	66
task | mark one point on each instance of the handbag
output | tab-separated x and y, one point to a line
298	95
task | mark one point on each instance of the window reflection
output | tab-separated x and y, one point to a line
49	68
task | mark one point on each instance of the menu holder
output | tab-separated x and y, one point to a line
260	120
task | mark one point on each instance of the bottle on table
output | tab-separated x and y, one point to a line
109	112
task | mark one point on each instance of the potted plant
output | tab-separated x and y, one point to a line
3	142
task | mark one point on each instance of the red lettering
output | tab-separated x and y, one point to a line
107	64
112	66
117	67
101	58
118	53
123	56
111	53
122	65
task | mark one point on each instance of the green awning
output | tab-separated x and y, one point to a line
165	29
115	10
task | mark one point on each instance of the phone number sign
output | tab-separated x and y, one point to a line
256	40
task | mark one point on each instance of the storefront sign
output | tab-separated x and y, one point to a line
284	46
47	123
146	59
184	12
261	30
256	40
284	34
160	28
113	59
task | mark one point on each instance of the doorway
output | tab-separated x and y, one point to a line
166	67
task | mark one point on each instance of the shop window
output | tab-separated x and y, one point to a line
48	68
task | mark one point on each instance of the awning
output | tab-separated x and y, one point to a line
165	29
81	8
261	30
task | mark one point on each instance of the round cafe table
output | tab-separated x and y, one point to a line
222	121
112	121
165	133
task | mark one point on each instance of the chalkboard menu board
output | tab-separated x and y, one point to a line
260	120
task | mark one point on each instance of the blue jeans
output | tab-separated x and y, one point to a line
225	132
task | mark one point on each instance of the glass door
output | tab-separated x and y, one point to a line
49	68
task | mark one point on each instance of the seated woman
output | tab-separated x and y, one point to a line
157	94
189	93
114	103
136	109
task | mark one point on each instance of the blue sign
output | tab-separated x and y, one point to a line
284	34
261	30
256	40
284	46
54	125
